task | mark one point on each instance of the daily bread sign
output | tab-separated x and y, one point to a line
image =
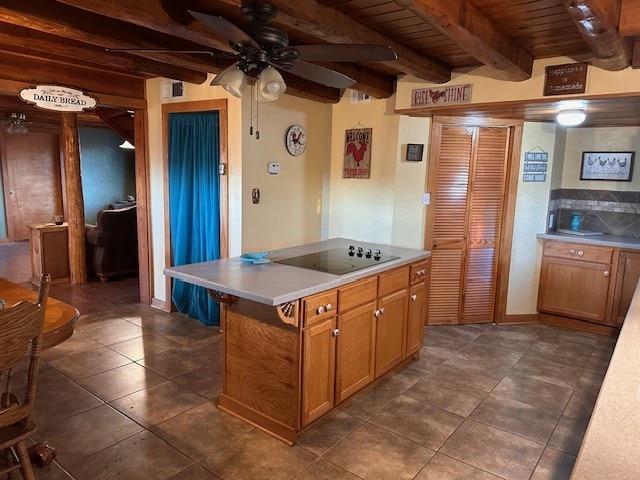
59	99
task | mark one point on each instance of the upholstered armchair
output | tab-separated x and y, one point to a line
112	245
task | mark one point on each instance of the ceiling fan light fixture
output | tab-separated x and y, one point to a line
16	124
571	118
232	79
270	84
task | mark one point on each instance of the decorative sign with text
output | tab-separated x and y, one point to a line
357	153
430	97
59	99
535	166
565	79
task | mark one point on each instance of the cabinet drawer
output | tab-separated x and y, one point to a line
577	251
393	281
357	293
418	271
318	307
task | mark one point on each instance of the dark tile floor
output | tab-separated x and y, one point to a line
132	396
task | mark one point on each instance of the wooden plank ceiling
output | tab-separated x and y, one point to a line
65	42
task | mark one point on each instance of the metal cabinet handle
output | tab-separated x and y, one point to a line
414	297
606	273
580	253
335	333
572	252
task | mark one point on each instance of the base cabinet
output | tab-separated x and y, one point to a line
391	324
416	317
627	277
318	345
587	282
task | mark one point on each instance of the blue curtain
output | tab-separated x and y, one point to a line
194	205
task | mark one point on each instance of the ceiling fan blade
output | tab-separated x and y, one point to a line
319	74
345	53
211	53
225	29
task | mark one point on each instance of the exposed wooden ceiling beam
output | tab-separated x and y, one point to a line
21	39
597	21
334	27
461	21
629	24
153	14
67	22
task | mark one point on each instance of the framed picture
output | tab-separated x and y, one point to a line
414	152
617	166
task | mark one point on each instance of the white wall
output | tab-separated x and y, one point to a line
612	139
530	218
290	208
362	209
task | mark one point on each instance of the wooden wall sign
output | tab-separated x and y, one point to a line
565	79
425	97
57	98
357	153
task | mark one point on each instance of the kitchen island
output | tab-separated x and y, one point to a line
299	341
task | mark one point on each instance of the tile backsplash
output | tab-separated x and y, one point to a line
610	212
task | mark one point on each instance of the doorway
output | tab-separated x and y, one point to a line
473	173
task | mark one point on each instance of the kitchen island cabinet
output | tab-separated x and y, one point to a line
291	357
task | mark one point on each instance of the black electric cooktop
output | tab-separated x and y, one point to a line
339	260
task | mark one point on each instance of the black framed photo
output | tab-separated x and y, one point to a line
616	166
414	152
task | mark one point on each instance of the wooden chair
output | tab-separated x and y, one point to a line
20	333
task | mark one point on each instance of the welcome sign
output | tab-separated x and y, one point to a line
59	99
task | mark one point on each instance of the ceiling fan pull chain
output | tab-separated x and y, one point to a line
257	114
251	115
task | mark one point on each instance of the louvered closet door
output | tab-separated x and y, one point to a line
449	224
486	197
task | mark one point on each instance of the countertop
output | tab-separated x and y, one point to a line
275	283
611	446
616	241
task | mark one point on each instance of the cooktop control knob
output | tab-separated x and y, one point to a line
351	249
359	251
367	253
376	254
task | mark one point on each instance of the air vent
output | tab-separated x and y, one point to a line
359	97
171	89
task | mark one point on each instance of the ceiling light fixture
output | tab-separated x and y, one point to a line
232	79
571	118
270	84
16	124
127	145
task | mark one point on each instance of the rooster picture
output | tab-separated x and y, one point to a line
357	152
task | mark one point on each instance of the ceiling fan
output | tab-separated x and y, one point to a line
260	48
259	44
16	123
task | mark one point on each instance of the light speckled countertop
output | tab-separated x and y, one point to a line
275	283
611	445
616	241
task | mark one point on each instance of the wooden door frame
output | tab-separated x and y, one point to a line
220	106
511	188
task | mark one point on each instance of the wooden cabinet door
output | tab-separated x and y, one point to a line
318	376
355	349
626	282
416	317
391	328
574	288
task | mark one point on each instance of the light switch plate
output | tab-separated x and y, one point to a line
274	168
426	198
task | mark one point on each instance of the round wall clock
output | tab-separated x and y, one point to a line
296	140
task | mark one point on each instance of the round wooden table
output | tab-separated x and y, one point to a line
59	318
